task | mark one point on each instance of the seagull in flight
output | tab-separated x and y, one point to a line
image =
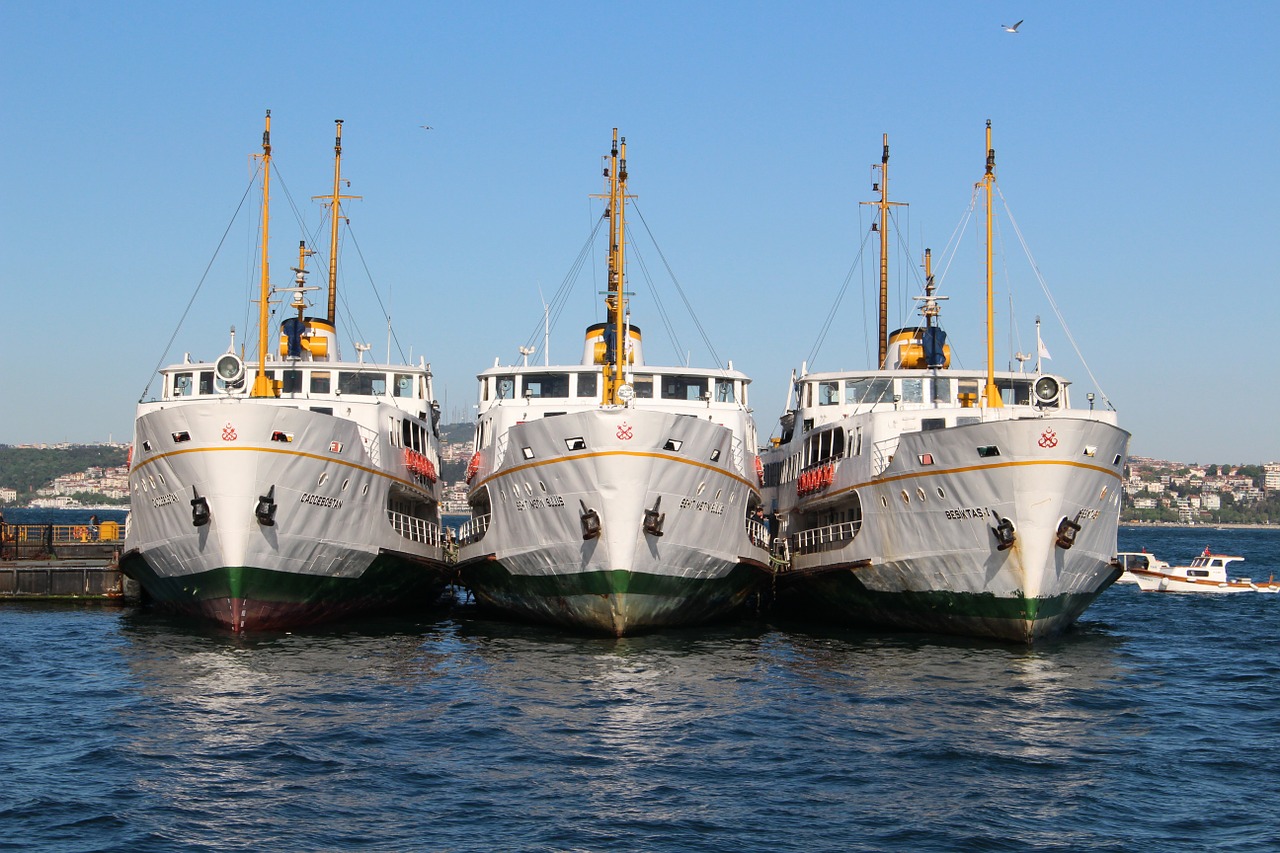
1013	29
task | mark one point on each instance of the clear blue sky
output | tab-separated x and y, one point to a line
1137	146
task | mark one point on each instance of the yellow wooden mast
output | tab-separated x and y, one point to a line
615	298
262	384
992	392
883	204
334	201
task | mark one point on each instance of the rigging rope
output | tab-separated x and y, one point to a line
1052	303
165	354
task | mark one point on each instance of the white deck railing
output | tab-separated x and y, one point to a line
415	529
821	538
474	529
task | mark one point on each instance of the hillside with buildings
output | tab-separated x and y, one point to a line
1155	490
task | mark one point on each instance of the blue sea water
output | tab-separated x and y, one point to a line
1154	725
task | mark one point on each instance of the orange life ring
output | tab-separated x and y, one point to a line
473	466
759	470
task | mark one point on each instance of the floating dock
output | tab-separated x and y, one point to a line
62	562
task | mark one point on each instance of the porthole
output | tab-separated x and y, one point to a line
920	494
346	483
528	490
884	502
906	498
702	487
542	486
941	493
364	490
719	492
1104	493
324	478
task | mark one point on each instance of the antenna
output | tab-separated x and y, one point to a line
525	352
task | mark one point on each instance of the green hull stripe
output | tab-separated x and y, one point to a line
388	579
612	602
844	598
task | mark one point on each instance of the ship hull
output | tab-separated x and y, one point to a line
926	556
329	548
536	560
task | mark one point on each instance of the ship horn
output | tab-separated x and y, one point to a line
653	519
199	509
1005	535
590	522
266	509
1067	530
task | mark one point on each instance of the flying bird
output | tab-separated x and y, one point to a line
1012	29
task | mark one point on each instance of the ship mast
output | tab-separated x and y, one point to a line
335	215
883	204
262	384
992	393
615	298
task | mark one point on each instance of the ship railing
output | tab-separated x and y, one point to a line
474	529
882	454
824	538
64	534
415	529
372	444
758	533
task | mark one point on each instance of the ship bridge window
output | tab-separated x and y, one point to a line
182	385
870	390
684	387
643	386
546	385
828	393
361	383
911	390
206	382
320	382
587	385
506	387
1015	392
291	382
403	385
942	389
724	391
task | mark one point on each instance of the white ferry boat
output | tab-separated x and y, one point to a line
919	496
292	488
614	496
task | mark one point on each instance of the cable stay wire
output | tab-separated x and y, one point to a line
560	299
1052	302
835	306
680	290
165	353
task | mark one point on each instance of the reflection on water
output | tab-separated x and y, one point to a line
455	731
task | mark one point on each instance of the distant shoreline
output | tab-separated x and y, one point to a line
1180	526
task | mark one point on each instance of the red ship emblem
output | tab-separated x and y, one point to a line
229	433
624	432
1048	438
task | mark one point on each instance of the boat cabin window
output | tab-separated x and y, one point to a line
724	391
1015	392
539	385
1197	573
206	382
320	382
684	387
967	392
828	393
359	382
292	382
183	385
869	390
911	390
942	389
403	386
643	386
506	388
587	385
